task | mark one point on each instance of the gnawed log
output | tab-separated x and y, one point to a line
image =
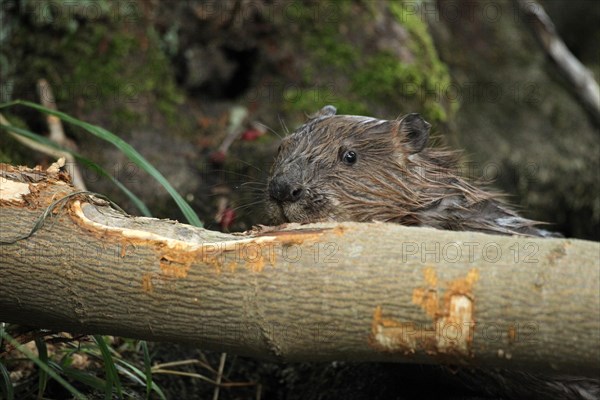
349	291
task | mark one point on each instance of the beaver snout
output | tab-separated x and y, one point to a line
282	189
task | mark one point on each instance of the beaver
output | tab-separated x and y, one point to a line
355	168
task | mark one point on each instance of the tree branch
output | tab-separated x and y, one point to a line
368	292
584	86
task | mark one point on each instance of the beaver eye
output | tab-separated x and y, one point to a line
349	157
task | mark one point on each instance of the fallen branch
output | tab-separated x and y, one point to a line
366	292
584	86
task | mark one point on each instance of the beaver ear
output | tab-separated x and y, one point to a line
416	131
326	111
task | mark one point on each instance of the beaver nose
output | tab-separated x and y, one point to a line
281	189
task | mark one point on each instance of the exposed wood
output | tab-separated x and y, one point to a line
369	292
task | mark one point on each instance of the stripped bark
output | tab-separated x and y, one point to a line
350	291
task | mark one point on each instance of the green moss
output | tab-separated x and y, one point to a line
125	71
100	63
436	78
367	78
328	48
311	99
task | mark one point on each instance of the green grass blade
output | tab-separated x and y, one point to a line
7	387
88	163
43	375
129	151
81	376
147	368
125	370
143	375
112	377
77	394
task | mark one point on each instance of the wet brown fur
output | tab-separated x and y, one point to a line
391	180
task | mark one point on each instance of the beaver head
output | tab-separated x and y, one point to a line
346	167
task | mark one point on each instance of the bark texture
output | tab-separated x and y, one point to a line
363	292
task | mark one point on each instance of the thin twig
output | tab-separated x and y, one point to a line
57	133
584	86
237	118
219	376
183	362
